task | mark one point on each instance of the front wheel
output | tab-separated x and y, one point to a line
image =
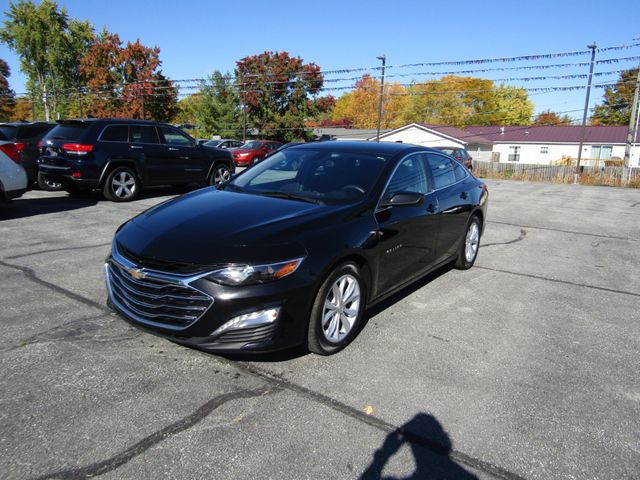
337	311
220	175
470	244
122	185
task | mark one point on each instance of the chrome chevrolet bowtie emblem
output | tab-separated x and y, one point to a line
136	273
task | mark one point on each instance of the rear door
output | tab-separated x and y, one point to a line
188	162
452	188
144	143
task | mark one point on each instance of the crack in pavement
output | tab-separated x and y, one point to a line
31	275
563	231
56	250
80	329
565	282
110	464
378	423
523	233
635	204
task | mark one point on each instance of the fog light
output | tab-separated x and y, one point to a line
248	320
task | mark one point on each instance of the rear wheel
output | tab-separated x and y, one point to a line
220	175
48	185
470	244
122	185
337	311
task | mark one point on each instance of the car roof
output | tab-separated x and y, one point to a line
112	120
391	148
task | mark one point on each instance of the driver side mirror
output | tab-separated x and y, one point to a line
404	199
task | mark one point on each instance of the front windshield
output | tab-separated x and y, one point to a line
318	175
253	145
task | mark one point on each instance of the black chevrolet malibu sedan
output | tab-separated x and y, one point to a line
292	251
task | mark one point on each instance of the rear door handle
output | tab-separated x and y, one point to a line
184	158
135	146
464	195
171	149
431	208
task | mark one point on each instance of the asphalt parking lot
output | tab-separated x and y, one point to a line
525	366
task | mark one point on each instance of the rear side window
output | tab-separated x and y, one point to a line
10	133
115	133
143	134
459	171
442	170
67	131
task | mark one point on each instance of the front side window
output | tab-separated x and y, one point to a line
409	176
443	170
514	153
171	136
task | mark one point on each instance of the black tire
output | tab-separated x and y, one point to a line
322	318
47	185
219	175
469	244
122	185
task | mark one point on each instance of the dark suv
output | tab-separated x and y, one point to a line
121	156
25	136
460	154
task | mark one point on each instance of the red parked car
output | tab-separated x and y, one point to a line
253	151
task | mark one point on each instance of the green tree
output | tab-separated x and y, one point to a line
7	96
276	87
49	44
618	99
507	105
217	111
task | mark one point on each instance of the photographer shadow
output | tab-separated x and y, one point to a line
431	448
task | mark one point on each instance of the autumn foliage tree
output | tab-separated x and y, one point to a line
360	106
549	117
275	89
125	81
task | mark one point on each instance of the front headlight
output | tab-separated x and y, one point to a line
235	275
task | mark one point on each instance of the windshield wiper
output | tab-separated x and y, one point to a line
290	196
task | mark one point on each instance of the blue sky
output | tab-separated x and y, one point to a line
196	37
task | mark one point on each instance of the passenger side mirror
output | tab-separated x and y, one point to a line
404	199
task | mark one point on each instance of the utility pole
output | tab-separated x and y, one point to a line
142	102
244	107
576	176
632	132
384	61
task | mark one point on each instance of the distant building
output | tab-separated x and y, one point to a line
338	133
542	145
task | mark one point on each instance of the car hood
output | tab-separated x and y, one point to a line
212	227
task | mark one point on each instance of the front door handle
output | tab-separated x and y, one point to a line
171	149
431	208
184	158
135	146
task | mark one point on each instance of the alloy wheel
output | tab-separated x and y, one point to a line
341	307
123	185
471	242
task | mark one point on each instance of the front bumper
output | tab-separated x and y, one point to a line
291	296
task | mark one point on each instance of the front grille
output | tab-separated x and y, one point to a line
155	301
260	333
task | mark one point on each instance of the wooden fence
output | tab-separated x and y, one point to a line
553	173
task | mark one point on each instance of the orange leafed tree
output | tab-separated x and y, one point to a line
126	81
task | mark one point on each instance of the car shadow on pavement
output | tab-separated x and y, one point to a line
431	448
29	207
405	292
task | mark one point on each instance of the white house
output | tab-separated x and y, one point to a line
539	144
